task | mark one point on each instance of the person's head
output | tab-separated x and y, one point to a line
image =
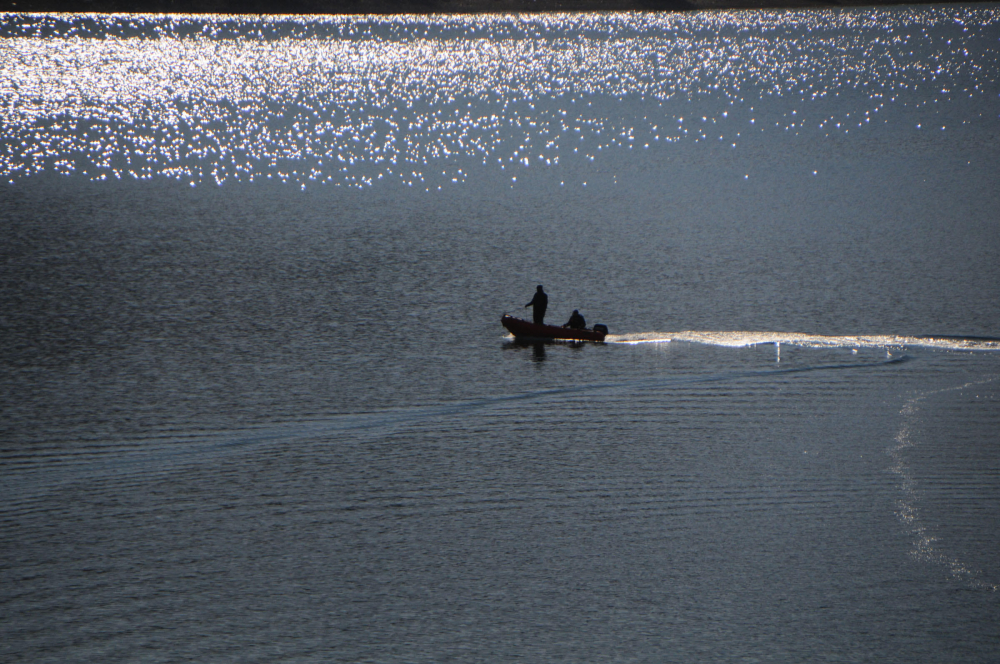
539	289
576	312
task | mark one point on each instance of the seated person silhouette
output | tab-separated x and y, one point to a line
539	304
576	321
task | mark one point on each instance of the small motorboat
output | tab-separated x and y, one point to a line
523	329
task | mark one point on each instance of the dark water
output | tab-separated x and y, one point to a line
257	404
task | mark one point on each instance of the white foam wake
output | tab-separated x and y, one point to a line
744	339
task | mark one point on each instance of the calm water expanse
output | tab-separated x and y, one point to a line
256	404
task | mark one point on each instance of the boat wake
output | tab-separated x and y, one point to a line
926	545
134	462
745	339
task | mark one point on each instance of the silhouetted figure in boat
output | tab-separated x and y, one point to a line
540	303
576	321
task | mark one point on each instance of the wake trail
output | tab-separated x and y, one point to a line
925	543
742	339
30	478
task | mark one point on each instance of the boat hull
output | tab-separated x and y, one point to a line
523	329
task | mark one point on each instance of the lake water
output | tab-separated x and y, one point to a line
256	403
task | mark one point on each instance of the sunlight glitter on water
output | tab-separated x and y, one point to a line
352	101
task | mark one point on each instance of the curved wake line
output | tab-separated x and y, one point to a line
924	542
27	479
737	339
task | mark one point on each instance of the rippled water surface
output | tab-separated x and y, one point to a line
257	404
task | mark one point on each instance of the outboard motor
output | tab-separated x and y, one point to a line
598	327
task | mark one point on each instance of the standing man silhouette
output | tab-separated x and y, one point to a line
539	303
